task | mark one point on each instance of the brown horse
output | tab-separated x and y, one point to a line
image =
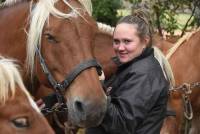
163	44
60	36
19	113
184	59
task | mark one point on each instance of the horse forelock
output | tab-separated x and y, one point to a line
87	5
9	79
9	3
38	17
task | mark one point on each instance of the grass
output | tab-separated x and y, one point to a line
182	19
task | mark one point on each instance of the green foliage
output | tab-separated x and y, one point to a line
164	13
134	1
106	10
169	22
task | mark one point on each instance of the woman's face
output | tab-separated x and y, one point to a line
126	42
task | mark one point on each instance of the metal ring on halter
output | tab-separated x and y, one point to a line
187	88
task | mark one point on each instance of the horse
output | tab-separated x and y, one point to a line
54	42
19	113
184	59
163	44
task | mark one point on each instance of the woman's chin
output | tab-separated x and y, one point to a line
123	60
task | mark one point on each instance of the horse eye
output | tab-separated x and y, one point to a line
21	122
51	38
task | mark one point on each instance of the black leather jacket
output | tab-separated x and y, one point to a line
138	98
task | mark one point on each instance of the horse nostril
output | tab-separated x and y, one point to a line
79	106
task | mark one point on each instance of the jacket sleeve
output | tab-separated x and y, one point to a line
130	105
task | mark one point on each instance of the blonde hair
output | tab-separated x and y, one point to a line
9	79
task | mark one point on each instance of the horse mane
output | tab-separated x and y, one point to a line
186	37
38	17
10	3
105	28
164	63
9	79
86	3
88	6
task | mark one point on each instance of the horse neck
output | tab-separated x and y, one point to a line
104	52
185	60
161	43
12	35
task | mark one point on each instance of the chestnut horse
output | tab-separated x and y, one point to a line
19	113
56	37
184	59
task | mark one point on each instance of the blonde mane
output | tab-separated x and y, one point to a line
166	67
88	5
9	79
39	17
9	3
186	37
105	28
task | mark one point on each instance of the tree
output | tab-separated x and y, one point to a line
164	13
106	10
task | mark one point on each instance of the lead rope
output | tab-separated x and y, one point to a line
67	128
188	112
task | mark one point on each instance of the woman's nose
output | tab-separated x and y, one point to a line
121	46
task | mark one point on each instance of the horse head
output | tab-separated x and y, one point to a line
60	37
19	113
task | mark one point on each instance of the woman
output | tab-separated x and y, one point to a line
138	98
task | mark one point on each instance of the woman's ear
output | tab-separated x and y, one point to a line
146	39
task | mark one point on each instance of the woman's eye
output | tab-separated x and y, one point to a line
51	38
116	42
21	122
126	41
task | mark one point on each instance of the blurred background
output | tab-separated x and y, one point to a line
171	19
